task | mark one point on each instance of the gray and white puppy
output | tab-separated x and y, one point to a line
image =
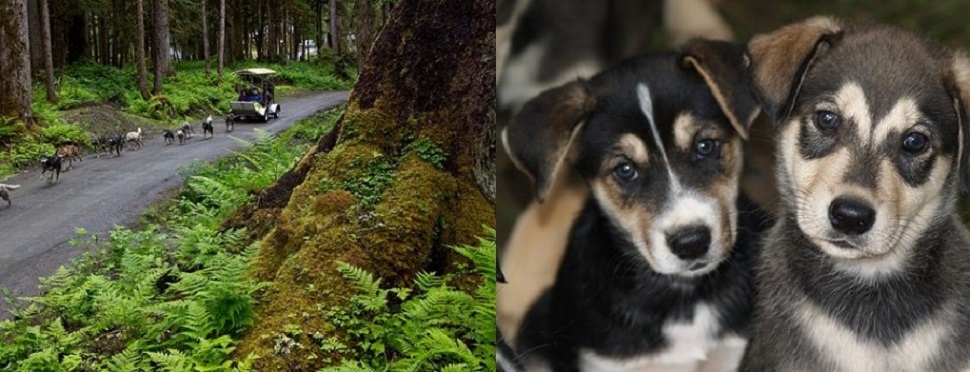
868	266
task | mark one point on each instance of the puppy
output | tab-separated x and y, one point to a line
134	138
181	136
51	164
656	273
207	127
169	137
70	152
5	191
867	267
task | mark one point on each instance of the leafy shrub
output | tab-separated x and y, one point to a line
435	327
62	133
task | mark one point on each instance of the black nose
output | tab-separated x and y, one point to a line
850	216
690	243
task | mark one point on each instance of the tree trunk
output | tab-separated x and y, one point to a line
272	34
415	92
334	28
162	46
318	22
205	38
78	43
365	30
45	31
140	49
222	36
16	96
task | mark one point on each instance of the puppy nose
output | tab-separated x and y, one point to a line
690	243
850	216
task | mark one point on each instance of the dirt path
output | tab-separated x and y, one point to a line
100	193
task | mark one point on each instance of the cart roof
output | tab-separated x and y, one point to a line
256	71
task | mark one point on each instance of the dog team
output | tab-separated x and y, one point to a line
111	144
861	264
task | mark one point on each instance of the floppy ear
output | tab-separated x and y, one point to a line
960	74
781	59
724	67
538	137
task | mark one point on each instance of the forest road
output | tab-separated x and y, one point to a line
101	193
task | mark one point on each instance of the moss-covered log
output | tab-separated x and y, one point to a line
405	176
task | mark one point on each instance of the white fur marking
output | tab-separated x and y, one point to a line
842	347
688	345
646	105
852	100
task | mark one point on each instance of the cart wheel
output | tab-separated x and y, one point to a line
276	114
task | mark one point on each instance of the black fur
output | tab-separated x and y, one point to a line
615	305
51	164
169	137
207	128
116	144
230	122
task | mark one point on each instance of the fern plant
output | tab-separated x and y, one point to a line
435	327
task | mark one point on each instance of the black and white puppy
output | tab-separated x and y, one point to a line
868	266
168	136
51	164
657	271
207	127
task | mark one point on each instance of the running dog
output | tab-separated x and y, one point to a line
181	136
168	136
207	127
868	265
187	130
116	144
657	269
51	164
134	138
70	152
100	144
5	191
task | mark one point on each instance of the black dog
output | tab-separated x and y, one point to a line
657	270
207	127
187	130
116	143
52	164
169	137
100	144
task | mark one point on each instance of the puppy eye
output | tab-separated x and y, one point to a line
625	172
827	120
914	142
706	148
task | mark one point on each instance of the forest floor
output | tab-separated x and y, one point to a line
100	193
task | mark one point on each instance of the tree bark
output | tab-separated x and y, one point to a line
140	49
222	36
430	78
334	28
162	46
365	30
16	96
45	31
205	38
272	34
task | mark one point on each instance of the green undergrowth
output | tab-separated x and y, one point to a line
172	295
430	326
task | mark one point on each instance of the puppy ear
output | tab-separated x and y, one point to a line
781	59
960	75
724	67
538	137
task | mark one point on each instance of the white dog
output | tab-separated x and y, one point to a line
134	137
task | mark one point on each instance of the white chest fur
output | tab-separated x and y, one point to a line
691	346
853	354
